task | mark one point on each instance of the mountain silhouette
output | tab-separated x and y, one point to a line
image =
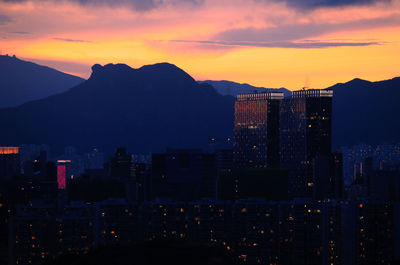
231	88
159	106
145	109
366	112
22	81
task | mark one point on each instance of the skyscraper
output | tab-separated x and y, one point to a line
184	174
306	121
9	162
257	130
63	173
121	164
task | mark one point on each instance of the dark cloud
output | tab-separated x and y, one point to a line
313	4
4	19
72	40
20	32
138	5
296	35
296	32
287	44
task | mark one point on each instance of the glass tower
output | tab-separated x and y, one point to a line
305	135
257	130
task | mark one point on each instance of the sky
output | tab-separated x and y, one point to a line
270	43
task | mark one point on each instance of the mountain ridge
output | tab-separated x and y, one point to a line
158	106
22	81
225	87
147	109
365	111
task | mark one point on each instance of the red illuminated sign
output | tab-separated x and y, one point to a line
61	173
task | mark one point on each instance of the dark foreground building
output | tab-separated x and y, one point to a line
266	183
177	252
298	232
184	174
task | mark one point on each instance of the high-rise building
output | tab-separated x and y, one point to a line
184	174
121	164
9	162
336	175
305	122
61	176
138	188
257	130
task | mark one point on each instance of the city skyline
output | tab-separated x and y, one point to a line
87	203
130	133
265	43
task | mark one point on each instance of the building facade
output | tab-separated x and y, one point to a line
256	130
306	131
9	162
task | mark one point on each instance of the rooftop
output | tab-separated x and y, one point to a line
260	96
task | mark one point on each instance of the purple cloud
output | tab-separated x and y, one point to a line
4	19
138	5
296	32
72	40
287	44
314	4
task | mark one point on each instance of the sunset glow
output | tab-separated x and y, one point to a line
271	43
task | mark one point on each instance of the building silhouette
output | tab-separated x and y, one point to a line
9	162
257	130
305	135
300	231
121	164
184	174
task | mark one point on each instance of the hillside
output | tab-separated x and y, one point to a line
22	81
145	109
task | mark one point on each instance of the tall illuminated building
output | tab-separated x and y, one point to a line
63	176
257	130
63	173
306	131
9	161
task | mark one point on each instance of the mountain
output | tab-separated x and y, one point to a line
22	81
158	106
145	109
232	88
366	112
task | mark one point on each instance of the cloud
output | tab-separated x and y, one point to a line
314	4
72	40
138	5
295	32
20	32
4	19
287	44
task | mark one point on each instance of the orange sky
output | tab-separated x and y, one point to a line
271	43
